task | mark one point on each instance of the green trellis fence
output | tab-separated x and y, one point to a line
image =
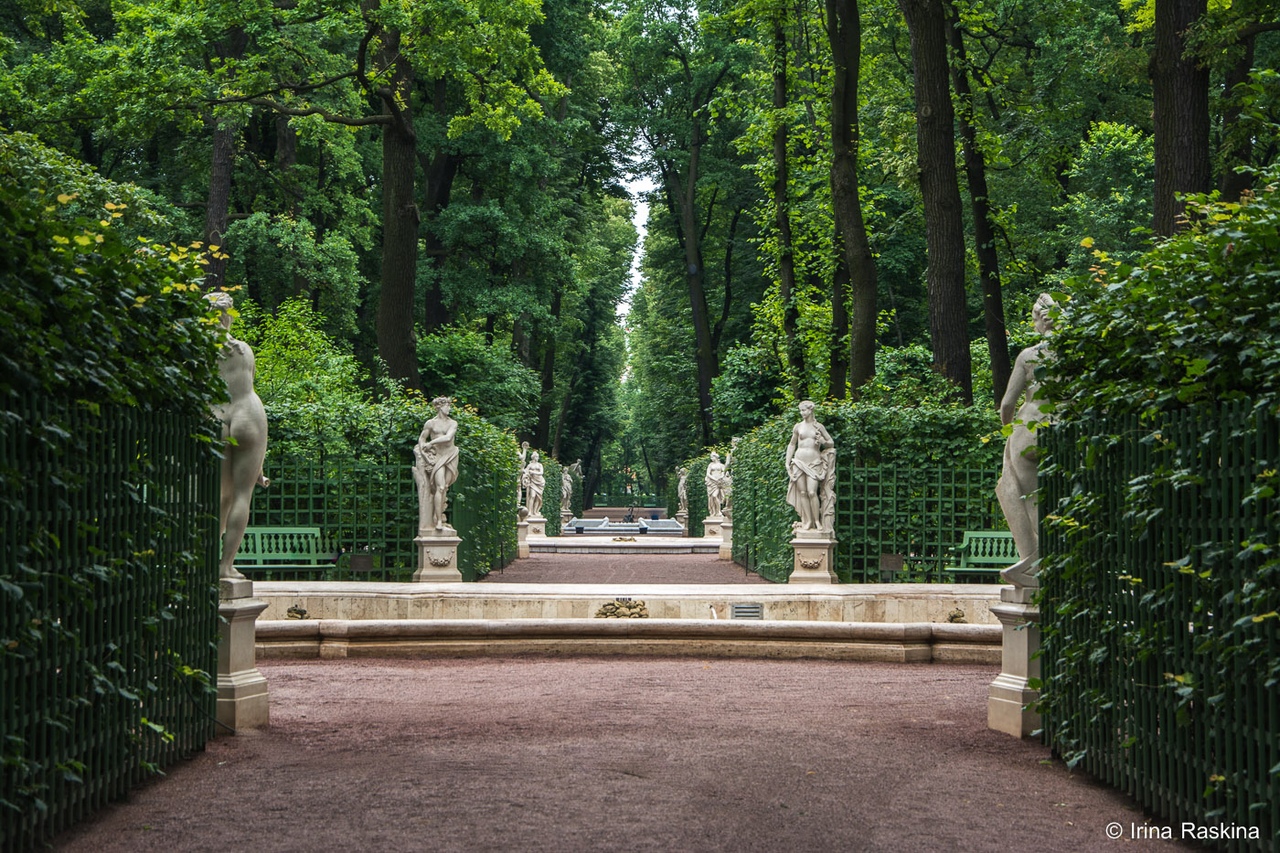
109	624
916	513
371	508
1161	587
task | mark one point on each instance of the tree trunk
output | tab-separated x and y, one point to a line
396	342
838	374
543	432
691	239
439	170
939	187
1237	147
221	164
984	237
219	209
1180	113
845	36
782	216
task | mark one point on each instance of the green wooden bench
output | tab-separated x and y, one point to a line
283	553
983	553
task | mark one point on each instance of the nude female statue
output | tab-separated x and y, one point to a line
811	468
435	468
682	490
535	482
717	482
244	431
1016	489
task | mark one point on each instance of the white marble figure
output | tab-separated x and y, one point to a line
1016	489
244	431
435	468
682	490
716	482
535	483
811	468
566	488
524	457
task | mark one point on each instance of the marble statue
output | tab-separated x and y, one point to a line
727	509
716	483
1016	489
566	488
435	468
682	490
811	468
244	431
524	457
535	483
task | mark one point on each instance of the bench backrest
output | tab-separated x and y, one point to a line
988	548
292	546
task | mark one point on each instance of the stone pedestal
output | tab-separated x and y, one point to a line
437	559
726	543
682	517
537	527
242	690
522	539
711	526
814	556
1010	695
565	517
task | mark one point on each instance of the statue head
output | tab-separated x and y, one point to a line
715	457
222	300
535	457
806	408
1042	313
442	404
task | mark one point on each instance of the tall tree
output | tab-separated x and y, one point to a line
782	208
844	33
984	237
1179	110
939	187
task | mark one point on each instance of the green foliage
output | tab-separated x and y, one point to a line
460	363
281	255
94	313
1196	322
1111	181
1165	380
108	361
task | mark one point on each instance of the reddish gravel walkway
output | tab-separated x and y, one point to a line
623	568
625	754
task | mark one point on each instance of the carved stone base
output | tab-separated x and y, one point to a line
813	560
437	559
242	690
1010	695
682	516
537	527
711	526
522	539
726	543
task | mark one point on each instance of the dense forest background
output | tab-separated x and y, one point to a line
850	199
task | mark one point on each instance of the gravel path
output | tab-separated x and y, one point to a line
627	754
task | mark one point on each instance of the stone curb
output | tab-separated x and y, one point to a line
914	642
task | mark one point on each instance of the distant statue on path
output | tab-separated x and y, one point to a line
1019	478
811	468
435	468
717	483
244	433
566	489
524	456
535	483
682	490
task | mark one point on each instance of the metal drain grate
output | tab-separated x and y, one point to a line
746	611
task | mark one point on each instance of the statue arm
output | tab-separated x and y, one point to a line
1017	384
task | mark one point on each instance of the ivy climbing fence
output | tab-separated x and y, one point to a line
109	625
1161	633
